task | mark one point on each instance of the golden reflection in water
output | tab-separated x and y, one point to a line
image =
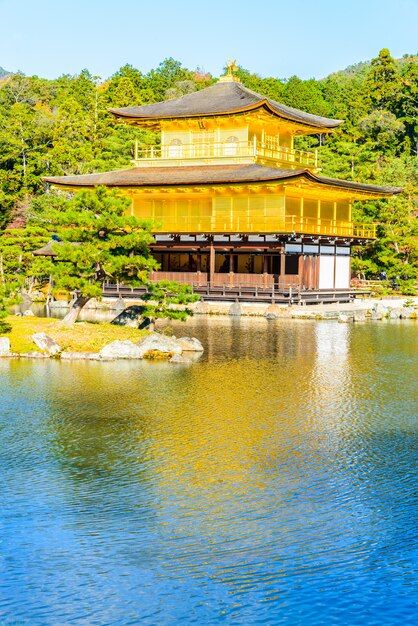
265	401
209	435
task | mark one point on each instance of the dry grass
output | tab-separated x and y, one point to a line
83	336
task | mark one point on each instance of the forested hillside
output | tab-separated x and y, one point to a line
62	126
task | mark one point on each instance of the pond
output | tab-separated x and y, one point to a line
271	482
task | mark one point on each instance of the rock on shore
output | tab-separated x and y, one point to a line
46	344
4	346
155	341
121	350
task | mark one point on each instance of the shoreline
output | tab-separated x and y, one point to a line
249	309
87	339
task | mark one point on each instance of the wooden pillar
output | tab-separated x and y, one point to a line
211	263
231	269
198	268
301	267
282	267
265	270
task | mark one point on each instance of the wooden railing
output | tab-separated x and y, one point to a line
227	279
190	278
285	292
268	149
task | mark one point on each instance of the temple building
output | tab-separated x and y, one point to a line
231	199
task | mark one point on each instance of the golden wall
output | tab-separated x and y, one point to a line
228	213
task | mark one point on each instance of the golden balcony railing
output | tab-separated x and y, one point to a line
240	151
266	224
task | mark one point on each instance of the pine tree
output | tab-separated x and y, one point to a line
99	242
383	82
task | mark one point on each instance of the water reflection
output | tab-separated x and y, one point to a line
271	482
59	312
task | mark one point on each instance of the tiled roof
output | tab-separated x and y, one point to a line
208	175
221	98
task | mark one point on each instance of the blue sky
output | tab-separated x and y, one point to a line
271	38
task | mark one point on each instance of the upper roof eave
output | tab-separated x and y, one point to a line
253	107
218	100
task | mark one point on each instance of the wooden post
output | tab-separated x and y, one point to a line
198	268
265	270
211	264
301	272
282	268
231	269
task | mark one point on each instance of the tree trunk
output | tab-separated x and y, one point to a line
72	315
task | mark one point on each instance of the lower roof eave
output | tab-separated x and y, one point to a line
186	176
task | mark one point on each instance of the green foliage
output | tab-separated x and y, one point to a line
162	295
4	311
7	300
382	82
408	288
157	355
98	241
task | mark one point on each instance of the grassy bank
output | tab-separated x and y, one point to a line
83	336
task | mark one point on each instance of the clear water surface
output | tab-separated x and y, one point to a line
274	481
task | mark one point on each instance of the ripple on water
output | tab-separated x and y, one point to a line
272	482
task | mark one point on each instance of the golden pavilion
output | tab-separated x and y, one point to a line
232	201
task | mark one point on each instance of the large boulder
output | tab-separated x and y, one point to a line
131	317
148	324
120	350
155	341
46	344
4	346
190	344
